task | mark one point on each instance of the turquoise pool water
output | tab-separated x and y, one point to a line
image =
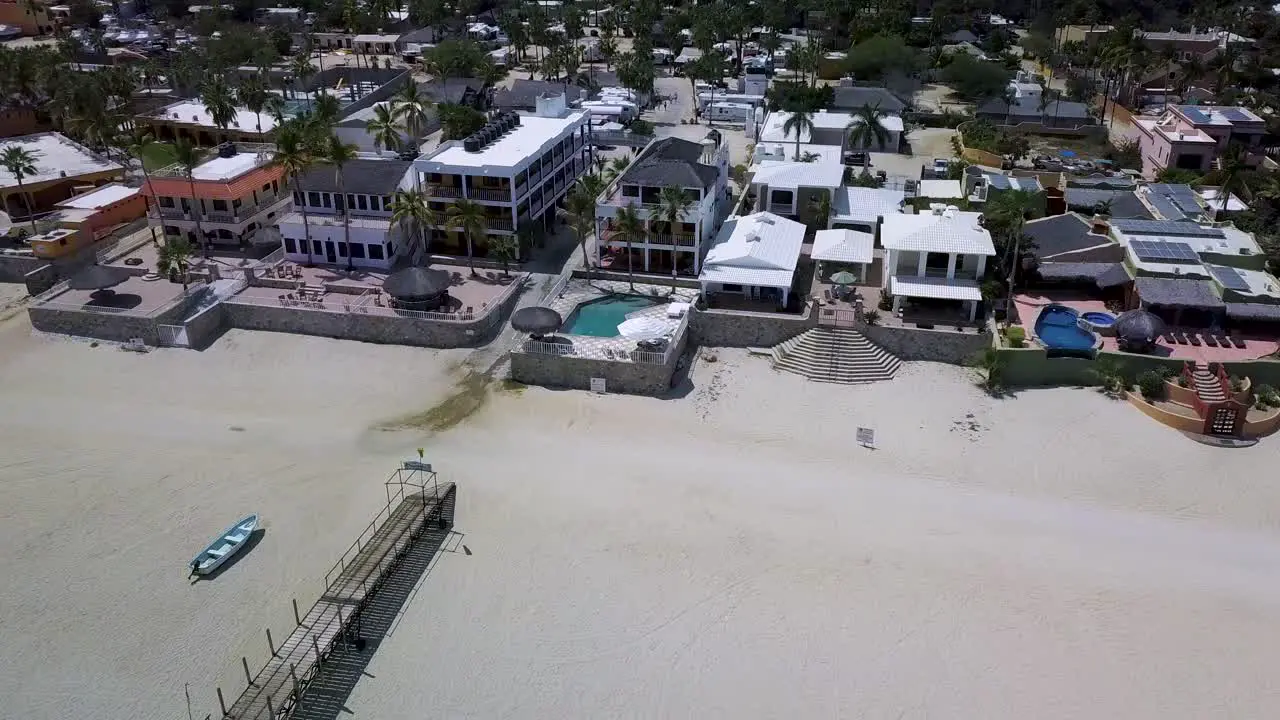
600	318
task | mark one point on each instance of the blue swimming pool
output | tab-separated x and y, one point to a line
601	318
1099	319
1057	328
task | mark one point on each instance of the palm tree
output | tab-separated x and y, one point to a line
189	156
293	155
469	216
252	93
632	229
383	128
20	163
302	71
581	208
867	128
799	123
274	106
410	106
505	248
672	204
138	144
411	210
1232	171
617	166
218	101
326	112
338	154
174	258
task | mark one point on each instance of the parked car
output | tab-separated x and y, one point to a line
941	167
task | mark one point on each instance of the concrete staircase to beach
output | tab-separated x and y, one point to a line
836	355
1207	385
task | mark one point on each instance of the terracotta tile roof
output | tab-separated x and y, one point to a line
237	188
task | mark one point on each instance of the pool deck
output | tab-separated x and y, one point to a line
579	291
1029	307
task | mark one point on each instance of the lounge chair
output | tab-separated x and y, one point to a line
1210	340
1223	340
1168	338
1238	341
1193	339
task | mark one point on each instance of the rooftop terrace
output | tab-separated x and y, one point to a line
56	157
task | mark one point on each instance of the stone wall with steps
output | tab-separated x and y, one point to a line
731	328
838	355
930	345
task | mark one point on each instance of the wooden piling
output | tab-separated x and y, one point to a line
222	703
297	691
316	646
271	710
271	645
247	677
296	617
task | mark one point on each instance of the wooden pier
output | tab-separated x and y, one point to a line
350	585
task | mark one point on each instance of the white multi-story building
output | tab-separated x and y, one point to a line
229	197
517	168
701	171
321	236
938	257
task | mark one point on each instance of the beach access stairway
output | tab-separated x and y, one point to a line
1208	385
835	355
277	688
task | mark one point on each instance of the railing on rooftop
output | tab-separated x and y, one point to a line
242	148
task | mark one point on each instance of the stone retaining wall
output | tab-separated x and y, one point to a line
205	326
368	327
647	279
14	268
115	327
730	328
570	371
930	345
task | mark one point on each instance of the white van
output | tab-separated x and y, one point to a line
604	112
729	112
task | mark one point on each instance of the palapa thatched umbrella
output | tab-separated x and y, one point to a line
1138	330
536	320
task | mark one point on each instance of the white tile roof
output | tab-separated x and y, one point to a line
798	174
56	157
934	287
760	249
100	197
949	232
866	204
531	138
822	120
843	246
193	112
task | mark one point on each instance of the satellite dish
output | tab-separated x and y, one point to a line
5	223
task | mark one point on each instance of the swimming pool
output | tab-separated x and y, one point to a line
601	318
1057	328
1099	319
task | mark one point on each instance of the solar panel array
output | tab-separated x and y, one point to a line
1230	278
1237	115
1194	114
1164	251
1165	227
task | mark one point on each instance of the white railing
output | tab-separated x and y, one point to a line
272	259
608	352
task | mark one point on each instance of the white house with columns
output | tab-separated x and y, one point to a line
936	257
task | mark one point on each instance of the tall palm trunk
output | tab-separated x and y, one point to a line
196	212
31	208
146	178
306	221
471	249
346	220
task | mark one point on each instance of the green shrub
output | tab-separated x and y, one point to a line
1016	336
871	317
642	127
1182	380
886	300
1151	384
1265	397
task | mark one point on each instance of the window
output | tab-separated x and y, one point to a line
342	249
936	261
731	288
1189	162
386	203
275	186
351	200
313	199
266	187
692	195
220	205
375	252
319	247
62	241
297	198
433	177
290	246
362	202
357	250
327	199
166	202
171	230
781	197
235	204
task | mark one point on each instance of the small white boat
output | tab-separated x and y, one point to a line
227	544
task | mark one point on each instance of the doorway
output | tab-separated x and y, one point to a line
330	253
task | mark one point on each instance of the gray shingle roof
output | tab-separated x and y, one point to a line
524	93
962	36
1124	204
1104	275
366	177
1177	293
1101	182
670	161
1063	234
1253	311
855	98
1026	106
421	35
452	90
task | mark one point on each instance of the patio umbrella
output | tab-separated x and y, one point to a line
1067	153
645	328
844	277
99	277
536	320
1138	327
416	282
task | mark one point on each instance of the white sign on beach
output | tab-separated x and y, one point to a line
866	437
597	385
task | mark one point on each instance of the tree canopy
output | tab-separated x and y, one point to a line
882	56
976	80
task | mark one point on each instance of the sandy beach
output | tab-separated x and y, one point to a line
729	553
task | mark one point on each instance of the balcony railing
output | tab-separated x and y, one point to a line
782	208
444	191
677	239
172	213
490	195
496	223
220	217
